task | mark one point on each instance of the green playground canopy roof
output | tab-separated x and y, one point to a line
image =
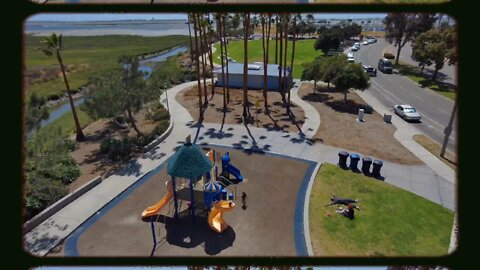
189	162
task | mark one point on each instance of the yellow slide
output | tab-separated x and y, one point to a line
215	219
155	209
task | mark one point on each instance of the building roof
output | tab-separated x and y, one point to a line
189	162
255	69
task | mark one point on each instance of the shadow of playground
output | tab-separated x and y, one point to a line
186	234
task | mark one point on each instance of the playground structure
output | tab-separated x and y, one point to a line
190	163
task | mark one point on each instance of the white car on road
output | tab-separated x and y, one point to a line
407	112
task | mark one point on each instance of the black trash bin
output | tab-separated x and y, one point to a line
354	159
377	166
366	162
342	159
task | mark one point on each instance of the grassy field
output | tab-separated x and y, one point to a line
304	53
392	222
414	73
88	55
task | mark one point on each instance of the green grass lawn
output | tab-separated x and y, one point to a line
392	222
414	73
304	53
95	53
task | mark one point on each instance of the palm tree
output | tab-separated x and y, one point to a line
284	82
280	88
211	35
265	43
246	27
199	84
219	18
276	38
295	17
54	45
202	51
189	20
224	30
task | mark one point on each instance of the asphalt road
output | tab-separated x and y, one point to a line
391	89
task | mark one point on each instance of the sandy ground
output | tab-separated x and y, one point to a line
340	128
91	162
278	119
271	187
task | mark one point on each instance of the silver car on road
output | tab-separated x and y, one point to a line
407	112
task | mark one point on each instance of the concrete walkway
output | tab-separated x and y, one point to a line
421	180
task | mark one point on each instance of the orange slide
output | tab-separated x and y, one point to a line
155	209
215	219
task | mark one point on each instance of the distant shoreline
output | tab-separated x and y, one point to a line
146	28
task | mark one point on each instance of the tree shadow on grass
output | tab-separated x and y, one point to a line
439	85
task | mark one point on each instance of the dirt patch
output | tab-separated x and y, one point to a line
91	162
278	119
339	126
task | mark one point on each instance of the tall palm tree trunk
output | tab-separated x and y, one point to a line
202	52
78	129
224	23
293	52
190	37
284	82
280	82
246	26
199	84
265	78
269	27
276	39
222	59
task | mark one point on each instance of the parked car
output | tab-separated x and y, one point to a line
365	42
350	55
407	112
354	48
351	59
385	66
371	71
372	40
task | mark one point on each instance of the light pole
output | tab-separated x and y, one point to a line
448	130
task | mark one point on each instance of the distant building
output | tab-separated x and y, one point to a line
255	76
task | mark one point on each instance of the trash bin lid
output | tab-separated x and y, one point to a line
355	156
367	159
379	162
343	153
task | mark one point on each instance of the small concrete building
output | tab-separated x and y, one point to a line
255	76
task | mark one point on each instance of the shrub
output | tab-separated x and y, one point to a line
368	109
40	193
117	149
70	145
389	56
157	113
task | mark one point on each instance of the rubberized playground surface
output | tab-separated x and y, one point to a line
264	228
